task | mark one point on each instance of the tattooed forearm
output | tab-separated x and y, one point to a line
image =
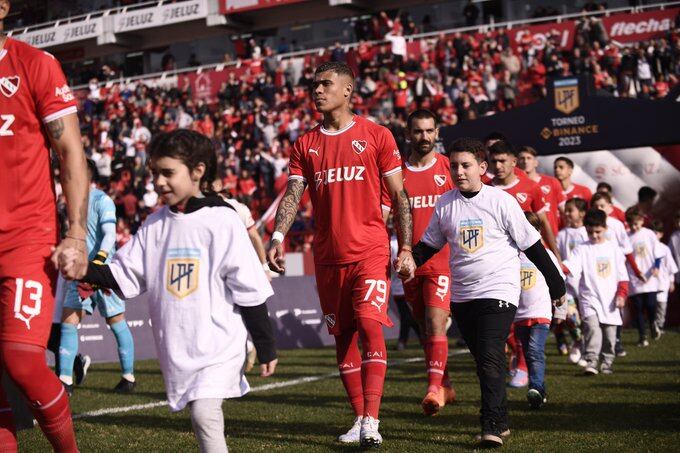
56	128
285	215
404	217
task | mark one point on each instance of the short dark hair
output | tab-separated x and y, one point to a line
597	196
501	147
646	193
604	185
468	145
633	214
657	225
533	219
337	67
92	168
192	148
495	136
578	203
566	160
528	149
420	114
595	218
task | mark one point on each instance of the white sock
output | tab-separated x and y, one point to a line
129	377
68	380
207	420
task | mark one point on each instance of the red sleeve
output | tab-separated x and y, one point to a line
587	194
630	258
560	197
622	289
295	168
389	159
537	199
52	96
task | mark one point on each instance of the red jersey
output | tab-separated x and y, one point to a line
554	198
527	193
578	191
344	170
488	177
33	91
619	215
424	187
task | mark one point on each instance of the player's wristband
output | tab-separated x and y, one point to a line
277	236
100	257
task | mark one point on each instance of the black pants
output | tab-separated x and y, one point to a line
644	302
406	321
485	325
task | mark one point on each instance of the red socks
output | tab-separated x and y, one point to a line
26	366
349	364
373	365
436	355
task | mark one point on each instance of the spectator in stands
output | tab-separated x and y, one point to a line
471	13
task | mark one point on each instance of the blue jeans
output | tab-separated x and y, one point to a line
644	302
533	342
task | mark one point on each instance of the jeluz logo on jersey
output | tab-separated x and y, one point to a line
527	277
182	268
64	93
359	146
440	180
603	266
471	235
9	85
340	174
423	201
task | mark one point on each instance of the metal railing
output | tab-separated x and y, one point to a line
508	25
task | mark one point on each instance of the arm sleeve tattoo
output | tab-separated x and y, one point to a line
404	217
285	214
56	128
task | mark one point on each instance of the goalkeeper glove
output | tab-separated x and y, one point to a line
85	290
100	257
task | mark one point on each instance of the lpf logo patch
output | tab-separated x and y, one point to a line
566	95
9	85
359	146
471	235
527	278
604	267
440	180
640	249
330	320
182	271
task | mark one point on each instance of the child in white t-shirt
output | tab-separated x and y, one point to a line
532	320
205	285
568	238
648	256
598	267
667	272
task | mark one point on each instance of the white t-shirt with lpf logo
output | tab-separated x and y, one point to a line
485	234
646	249
195	269
598	269
534	301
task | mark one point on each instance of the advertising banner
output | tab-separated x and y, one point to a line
240	6
62	34
158	16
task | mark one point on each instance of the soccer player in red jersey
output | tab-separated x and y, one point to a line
564	167
343	160
528	194
426	177
550	187
37	109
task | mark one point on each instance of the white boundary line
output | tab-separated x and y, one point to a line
259	388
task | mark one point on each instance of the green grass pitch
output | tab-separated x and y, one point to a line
635	409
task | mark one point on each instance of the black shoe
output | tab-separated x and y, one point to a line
68	388
80	367
618	349
536	398
125	386
492	434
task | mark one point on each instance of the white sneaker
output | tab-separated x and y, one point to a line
352	436
575	353
591	371
370	437
582	363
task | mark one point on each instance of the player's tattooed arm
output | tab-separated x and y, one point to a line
285	214
404	217
64	134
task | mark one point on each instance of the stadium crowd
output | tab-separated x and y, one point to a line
259	114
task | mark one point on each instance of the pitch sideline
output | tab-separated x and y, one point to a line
259	388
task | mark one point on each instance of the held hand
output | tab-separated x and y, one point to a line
561	301
620	302
70	258
267	369
405	265
275	257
